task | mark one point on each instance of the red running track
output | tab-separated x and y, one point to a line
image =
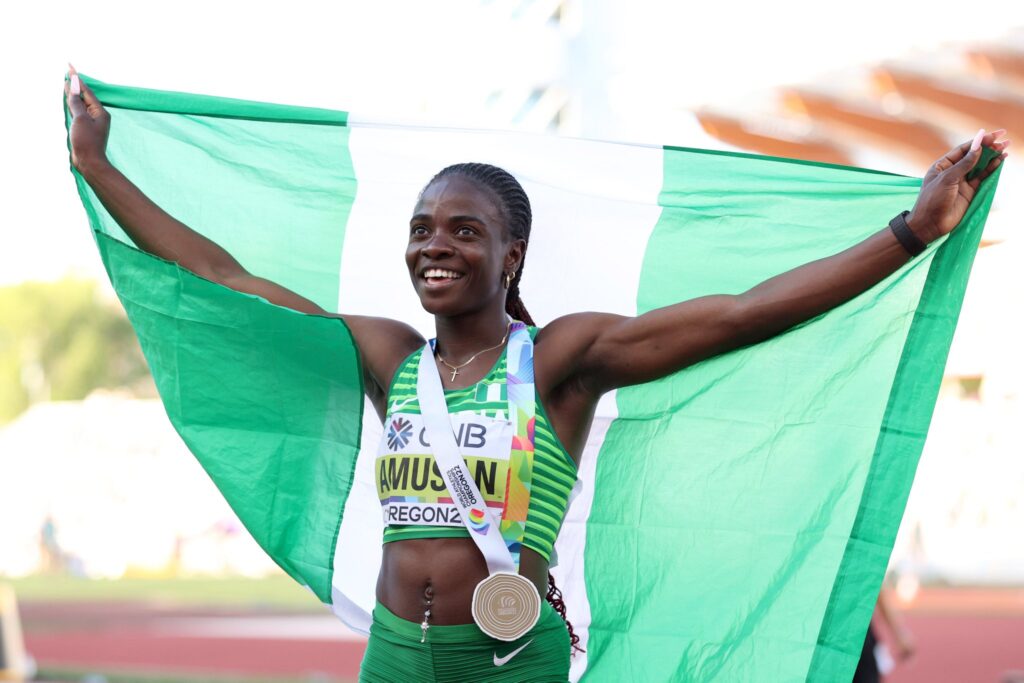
961	637
135	651
134	637
962	649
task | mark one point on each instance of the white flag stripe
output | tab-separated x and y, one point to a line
358	551
572	539
594	204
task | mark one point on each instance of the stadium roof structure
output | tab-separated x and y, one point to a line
901	115
912	110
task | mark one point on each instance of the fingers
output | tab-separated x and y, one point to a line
955	155
76	82
970	160
92	103
81	98
89	96
989	139
976	142
75	103
990	168
79	87
963	166
994	143
972	149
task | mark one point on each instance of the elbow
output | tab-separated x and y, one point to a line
743	323
223	272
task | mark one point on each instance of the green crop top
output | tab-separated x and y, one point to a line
402	478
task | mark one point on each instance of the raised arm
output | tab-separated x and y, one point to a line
383	343
599	352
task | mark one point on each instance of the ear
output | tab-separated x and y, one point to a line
514	255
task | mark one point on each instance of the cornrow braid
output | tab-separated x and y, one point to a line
515	207
514	303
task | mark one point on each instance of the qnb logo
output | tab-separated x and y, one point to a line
478	521
509	606
399	433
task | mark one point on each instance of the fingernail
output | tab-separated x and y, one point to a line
976	144
1006	143
76	85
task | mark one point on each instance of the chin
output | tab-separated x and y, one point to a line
448	306
445	309
440	305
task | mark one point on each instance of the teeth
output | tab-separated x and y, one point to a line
438	272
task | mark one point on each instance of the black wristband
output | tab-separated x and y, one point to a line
911	242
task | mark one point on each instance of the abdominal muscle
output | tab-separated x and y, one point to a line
440	574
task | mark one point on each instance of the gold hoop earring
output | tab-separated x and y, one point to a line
508	279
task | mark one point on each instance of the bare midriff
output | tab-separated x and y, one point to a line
440	574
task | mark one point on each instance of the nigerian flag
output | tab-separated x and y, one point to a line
735	518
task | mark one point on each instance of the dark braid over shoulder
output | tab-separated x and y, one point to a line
518	215
515	206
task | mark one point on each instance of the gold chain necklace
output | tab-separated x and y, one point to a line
455	368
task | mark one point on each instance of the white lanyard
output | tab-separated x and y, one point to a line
465	494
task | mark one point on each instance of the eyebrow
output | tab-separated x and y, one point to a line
455	219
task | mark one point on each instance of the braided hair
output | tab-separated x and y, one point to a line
515	209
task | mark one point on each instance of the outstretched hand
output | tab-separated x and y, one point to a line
90	123
946	191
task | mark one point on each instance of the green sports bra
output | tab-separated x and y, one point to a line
410	486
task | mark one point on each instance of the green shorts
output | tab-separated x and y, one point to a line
463	653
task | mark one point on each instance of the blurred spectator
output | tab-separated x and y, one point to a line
876	659
52	555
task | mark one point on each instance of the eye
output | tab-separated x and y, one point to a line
465	230
418	230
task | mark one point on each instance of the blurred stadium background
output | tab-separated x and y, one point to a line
126	563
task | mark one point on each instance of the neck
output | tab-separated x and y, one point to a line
459	337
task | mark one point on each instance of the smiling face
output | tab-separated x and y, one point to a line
459	248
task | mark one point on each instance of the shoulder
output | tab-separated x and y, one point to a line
565	344
384	345
576	329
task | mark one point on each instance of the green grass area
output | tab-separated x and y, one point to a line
58	675
279	592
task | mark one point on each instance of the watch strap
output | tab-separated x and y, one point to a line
911	242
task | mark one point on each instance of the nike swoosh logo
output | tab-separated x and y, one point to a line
396	406
502	661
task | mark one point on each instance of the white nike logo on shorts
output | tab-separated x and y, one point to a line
502	661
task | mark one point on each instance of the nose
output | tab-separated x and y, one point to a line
437	246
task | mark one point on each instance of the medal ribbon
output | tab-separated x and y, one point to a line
500	541
522	406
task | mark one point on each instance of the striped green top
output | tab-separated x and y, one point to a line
554	472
